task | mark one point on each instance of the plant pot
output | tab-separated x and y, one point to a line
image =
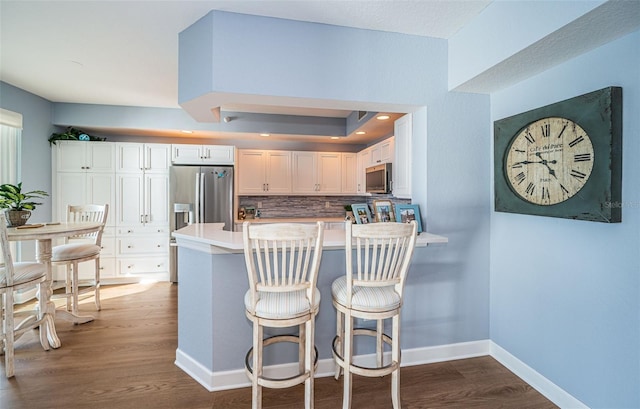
17	217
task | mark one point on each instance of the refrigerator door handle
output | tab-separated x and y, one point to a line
202	198
197	189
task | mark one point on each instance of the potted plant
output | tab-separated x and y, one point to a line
18	203
73	134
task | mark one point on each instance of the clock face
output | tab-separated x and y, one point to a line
549	161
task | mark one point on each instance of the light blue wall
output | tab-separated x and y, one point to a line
565	294
451	141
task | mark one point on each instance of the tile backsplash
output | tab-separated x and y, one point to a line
307	206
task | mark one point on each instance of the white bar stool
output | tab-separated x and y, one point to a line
372	289
282	262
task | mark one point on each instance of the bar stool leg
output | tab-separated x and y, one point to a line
256	389
67	286
395	357
339	343
301	347
348	343
309	363
379	343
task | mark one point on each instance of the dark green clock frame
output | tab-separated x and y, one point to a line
599	113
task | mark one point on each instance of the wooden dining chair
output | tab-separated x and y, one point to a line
78	249
18	276
282	261
372	289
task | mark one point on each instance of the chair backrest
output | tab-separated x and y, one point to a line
88	213
282	257
6	261
382	254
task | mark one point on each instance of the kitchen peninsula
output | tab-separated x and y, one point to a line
213	333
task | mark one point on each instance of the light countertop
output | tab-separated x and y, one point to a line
210	238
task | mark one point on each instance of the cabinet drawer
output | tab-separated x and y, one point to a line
140	229
143	245
137	266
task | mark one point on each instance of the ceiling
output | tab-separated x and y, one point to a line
115	52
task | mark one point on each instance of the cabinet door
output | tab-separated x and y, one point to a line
101	190
71	190
251	172
329	174
130	199
364	161
101	156
278	171
401	172
218	154
156	199
387	150
186	154
157	158
349	173
70	156
130	157
304	173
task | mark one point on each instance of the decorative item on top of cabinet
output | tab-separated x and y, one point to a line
402	163
264	172
185	154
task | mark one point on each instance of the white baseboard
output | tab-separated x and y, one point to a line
543	385
223	380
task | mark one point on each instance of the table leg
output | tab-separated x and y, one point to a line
43	250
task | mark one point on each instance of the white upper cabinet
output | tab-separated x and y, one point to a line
350	173
264	172
401	172
138	157
364	161
382	152
184	154
80	156
317	172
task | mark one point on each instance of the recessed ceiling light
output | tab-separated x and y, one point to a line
382	117
265	134
335	137
360	133
185	131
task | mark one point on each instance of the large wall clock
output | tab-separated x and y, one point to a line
562	160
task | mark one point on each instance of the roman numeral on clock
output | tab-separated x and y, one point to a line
546	130
576	141
529	137
582	157
545	193
530	189
562	131
520	177
578	175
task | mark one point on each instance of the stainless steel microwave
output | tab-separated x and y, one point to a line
378	178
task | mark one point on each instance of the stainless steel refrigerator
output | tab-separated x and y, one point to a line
199	194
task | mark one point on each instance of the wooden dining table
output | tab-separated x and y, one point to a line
44	234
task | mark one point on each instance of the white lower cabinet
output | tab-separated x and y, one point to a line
142	251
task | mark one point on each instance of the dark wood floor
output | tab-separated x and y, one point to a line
124	359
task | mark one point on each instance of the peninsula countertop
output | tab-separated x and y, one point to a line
210	237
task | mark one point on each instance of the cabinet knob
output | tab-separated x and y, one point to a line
129	246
